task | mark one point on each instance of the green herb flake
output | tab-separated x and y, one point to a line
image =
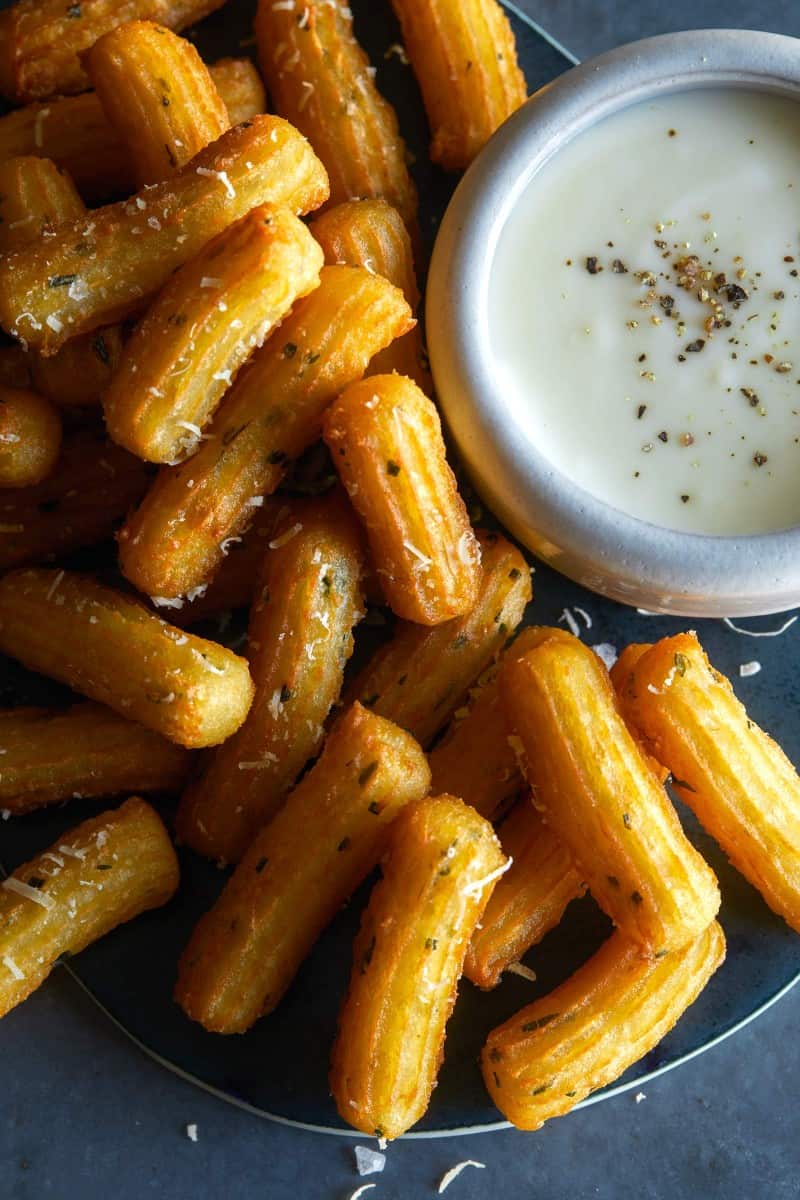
539	1022
461	641
431	943
626	820
57	281
289	350
392	468
262	862
101	349
103	867
366	774
543	1087
681	664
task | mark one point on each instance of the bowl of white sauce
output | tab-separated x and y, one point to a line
614	323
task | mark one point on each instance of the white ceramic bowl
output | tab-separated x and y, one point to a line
601	547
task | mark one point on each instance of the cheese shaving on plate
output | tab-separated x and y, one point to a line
749	668
369	1161
365	1187
761	632
455	1171
518	968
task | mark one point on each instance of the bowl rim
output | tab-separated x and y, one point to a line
604	548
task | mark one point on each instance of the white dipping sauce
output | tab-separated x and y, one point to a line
664	377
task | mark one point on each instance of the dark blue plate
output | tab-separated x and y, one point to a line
279	1069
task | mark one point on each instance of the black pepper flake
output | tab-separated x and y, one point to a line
663	436
445	870
695	347
681	358
392	468
672	133
344	844
618	267
636	898
101	349
431	943
735	293
539	1022
310	358
103	867
57	281
759	459
612	879
366	774
286	694
542	1088
640	411
366	958
592	265
642	358
289	350
496	1079
262	862
626	820
685	498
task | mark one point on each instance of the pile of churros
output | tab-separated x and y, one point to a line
248	291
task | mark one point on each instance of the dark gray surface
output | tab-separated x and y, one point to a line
84	1114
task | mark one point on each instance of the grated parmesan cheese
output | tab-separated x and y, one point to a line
191	1132
424	561
166	601
606	653
747	669
308	90
12	966
455	1171
73	852
285	537
53	322
569	620
222	176
476	887
518	968
369	1161
365	1187
27	892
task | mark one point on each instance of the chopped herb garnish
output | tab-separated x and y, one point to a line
626	820
262	862
286	694
57	281
681	664
695	347
462	640
539	1022
344	844
636	898
289	350
367	773
612	879
641	410
431	943
101	349
392	468
542	1088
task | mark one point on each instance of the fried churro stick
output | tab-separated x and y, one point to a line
385	438
91	487
41	41
30	438
407	959
178	537
599	795
104	872
419	677
582	1036
465	60
106	265
158	95
528	901
298	872
214	312
307	602
35	197
75	132
733	776
51	755
319	78
109	647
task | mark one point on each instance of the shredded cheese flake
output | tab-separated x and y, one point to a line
191	1132
455	1171
285	537
369	1161
365	1187
606	653
746	669
569	620
518	968
12	966
222	176
27	892
476	887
